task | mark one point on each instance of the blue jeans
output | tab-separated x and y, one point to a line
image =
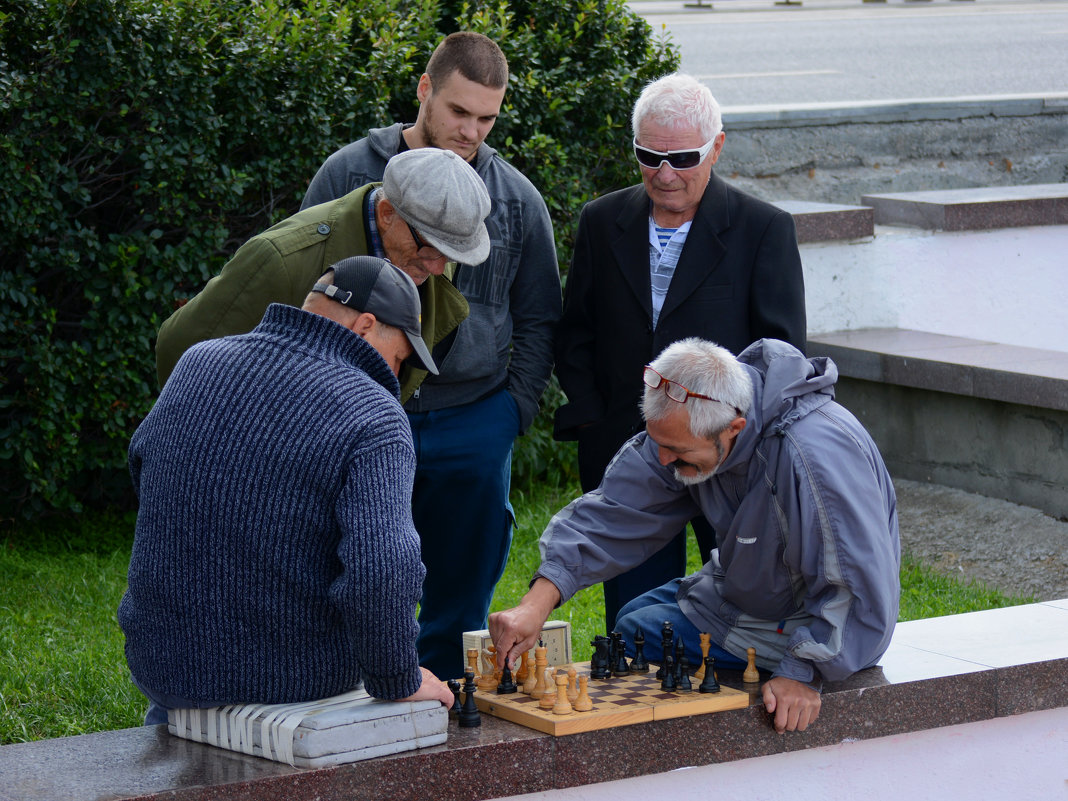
160	703
461	510
648	613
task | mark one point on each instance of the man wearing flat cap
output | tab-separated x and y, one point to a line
275	559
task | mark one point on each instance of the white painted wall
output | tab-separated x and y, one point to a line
1008	285
1022	758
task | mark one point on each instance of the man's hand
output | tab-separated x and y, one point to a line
795	705
432	689
514	631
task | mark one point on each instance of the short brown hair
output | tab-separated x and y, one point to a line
477	57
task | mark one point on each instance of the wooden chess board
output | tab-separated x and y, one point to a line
620	701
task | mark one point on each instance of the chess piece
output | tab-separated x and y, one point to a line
454	685
680	651
751	674
540	661
506	685
667	637
683	681
619	657
472	662
548	698
667	681
708	681
562	705
572	685
469	717
583	703
600	667
532	673
524	662
638	664
706	643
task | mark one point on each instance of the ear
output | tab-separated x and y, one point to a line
717	148
385	214
735	428
424	89
362	323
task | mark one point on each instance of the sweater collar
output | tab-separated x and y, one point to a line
327	339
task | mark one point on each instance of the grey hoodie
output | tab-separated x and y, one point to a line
807	571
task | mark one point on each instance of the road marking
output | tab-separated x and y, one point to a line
723	75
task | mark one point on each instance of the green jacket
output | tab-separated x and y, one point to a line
279	266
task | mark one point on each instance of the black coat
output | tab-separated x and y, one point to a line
738	280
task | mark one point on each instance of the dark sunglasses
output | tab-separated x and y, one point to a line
676	391
677	159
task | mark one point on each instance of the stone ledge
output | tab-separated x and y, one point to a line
922	360
822	222
925	684
975	209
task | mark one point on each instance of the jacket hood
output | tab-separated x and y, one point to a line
787	385
386	143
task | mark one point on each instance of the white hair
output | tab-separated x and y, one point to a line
707	369
680	101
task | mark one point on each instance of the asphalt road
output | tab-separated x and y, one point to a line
753	52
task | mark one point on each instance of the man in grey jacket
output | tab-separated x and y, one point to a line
496	363
807	571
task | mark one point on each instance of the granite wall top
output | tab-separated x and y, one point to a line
938	672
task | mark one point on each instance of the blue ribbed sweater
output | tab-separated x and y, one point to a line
275	559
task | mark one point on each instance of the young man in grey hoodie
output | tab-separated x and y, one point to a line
494	365
807	571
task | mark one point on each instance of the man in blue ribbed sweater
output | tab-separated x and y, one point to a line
275	559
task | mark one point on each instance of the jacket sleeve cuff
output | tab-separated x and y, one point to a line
792	668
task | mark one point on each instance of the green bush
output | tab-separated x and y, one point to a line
142	141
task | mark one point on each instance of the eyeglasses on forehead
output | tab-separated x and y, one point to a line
676	391
677	159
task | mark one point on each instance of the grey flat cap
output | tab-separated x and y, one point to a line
442	197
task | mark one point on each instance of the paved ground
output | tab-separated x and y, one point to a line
1012	548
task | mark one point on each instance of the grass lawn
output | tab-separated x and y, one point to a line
62	669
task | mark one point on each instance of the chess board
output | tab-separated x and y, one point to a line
621	701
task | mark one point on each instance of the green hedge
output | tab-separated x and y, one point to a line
141	142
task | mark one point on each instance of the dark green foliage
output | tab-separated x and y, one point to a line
142	141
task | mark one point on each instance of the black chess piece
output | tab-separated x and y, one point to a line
683	682
709	683
619	656
667	681
667	637
638	664
680	651
507	684
454	685
470	717
599	662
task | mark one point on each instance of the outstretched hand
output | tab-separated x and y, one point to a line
795	705
515	631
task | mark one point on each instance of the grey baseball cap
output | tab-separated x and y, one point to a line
442	197
374	285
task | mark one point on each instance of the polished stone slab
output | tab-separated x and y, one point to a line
919	359
824	222
973	209
938	672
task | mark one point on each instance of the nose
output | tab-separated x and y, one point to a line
666	457
664	172
435	264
